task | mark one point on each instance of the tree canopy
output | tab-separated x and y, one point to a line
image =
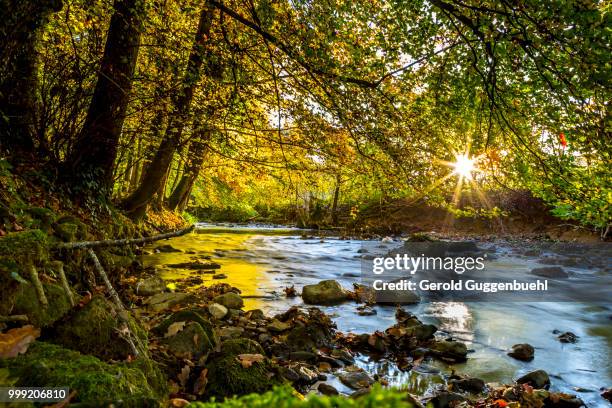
151	102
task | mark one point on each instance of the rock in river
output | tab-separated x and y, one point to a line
453	350
523	352
167	248
230	300
217	311
537	379
356	380
323	293
473	385
150	286
327	389
567	337
553	272
163	301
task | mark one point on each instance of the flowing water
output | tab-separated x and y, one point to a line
262	261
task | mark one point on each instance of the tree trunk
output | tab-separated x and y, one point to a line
334	209
20	23
137	202
93	155
195	158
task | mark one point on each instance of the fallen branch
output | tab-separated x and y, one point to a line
59	267
40	291
121	312
127	241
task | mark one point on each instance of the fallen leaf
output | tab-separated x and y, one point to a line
178	402
200	384
16	341
247	360
183	376
175	328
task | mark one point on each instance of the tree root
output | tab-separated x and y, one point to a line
40	292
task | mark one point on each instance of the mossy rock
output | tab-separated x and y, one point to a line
188	316
42	218
94	329
48	365
66	231
241	346
82	231
191	342
113	261
31	246
227	377
26	302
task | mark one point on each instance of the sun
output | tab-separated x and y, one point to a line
464	166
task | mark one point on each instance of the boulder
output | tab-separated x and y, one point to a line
163	301
150	286
26	303
228	376
230	300
189	315
231	332
453	350
95	329
356	380
304	356
553	272
472	385
276	326
523	352
327	389
537	379
445	399
191	342
217	311
324	293
49	365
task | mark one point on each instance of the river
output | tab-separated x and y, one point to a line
262	261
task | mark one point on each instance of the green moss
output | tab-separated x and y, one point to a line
29	246
241	346
94	329
227	376
26	302
286	397
43	218
191	342
47	365
82	228
112	261
66	231
188	316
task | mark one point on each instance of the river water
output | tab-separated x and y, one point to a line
261	261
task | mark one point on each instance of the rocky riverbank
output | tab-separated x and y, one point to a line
183	341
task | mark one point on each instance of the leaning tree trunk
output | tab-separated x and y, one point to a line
20	24
195	158
94	153
136	204
334	209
